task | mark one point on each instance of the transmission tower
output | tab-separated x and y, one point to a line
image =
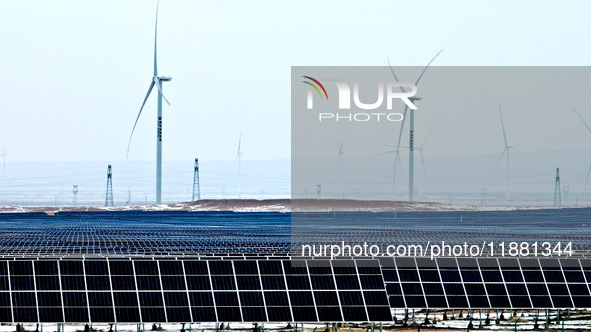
557	196
75	192
196	188
109	195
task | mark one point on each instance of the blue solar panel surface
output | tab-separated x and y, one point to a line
189	290
223	266
182	233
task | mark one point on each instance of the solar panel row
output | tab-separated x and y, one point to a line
135	291
141	233
459	227
181	233
500	283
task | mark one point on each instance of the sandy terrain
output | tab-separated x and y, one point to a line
268	205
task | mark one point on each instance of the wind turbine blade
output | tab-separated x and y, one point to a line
503	126
238	153
420	76
155	39
400	163
406	107
588	129
423	162
427	137
157	81
401	125
512	148
580	117
497	164
392	71
400	136
427	66
138	117
587	179
384	153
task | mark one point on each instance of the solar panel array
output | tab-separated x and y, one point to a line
222	266
488	283
144	233
183	233
453	227
136	291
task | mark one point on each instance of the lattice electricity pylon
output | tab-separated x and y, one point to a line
557	195
196	187
109	195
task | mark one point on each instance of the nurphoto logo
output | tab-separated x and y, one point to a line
344	99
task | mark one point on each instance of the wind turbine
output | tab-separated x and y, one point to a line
420	149
340	158
589	129
411	138
506	149
157	81
340	166
3	155
239	153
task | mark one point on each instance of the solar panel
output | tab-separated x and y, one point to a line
488	283
187	290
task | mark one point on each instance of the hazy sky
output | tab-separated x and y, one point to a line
75	72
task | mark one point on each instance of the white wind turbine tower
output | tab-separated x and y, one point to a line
505	150
157	81
411	138
589	129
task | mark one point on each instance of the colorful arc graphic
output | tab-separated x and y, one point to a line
314	86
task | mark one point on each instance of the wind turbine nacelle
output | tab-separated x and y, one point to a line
165	78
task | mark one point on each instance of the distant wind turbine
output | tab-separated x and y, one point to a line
420	149
411	139
340	166
506	149
157	81
3	155
239	153
340	158
588	129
